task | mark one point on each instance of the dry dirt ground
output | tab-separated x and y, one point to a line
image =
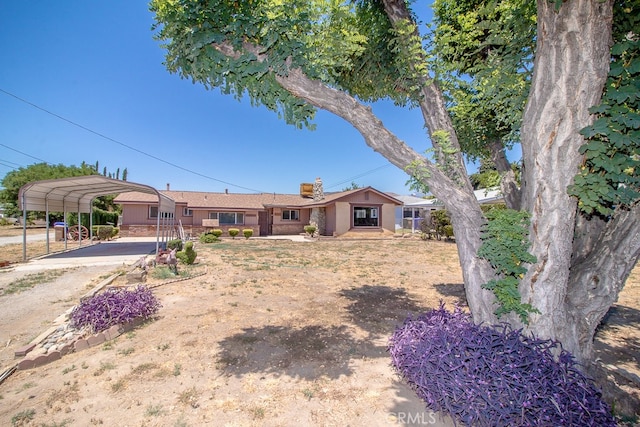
273	333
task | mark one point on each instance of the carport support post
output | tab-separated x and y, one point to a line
24	229
66	226
79	227
91	220
158	230
47	219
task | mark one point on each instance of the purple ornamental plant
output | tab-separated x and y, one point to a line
483	376
114	307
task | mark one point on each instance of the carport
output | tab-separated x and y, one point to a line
76	194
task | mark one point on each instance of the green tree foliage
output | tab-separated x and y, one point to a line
347	45
43	171
488	177
505	246
610	174
353	186
36	172
482	52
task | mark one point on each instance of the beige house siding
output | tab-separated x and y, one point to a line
388	219
281	227
138	214
330	221
343	218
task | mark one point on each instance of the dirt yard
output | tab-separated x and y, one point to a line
274	333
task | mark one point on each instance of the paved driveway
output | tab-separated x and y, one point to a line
118	252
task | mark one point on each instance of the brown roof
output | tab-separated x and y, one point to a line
196	199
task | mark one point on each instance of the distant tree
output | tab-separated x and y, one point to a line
353	186
125	172
488	175
36	172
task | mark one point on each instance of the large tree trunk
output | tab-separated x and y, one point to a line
598	276
571	66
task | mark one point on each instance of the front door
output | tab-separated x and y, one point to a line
263	222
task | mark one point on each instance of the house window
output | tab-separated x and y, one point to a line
153	213
290	215
365	216
411	213
228	218
187	212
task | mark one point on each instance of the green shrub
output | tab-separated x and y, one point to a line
216	232
103	232
115	231
188	256
247	232
208	238
447	231
233	232
310	229
174	244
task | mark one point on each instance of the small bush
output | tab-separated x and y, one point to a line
175	244
483	376
216	232
103	232
113	307
188	256
247	232
233	232
208	238
310	229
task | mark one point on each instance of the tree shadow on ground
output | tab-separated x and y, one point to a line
455	290
379	309
309	352
617	349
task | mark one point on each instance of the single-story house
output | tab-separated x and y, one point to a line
333	214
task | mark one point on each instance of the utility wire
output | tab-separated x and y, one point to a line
346	181
8	166
24	154
122	144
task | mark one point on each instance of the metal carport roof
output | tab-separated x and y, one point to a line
75	194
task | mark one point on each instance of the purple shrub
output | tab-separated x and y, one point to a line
113	307
483	376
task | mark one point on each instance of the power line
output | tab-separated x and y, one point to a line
24	154
346	181
121	143
8	166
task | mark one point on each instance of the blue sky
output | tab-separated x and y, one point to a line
96	64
